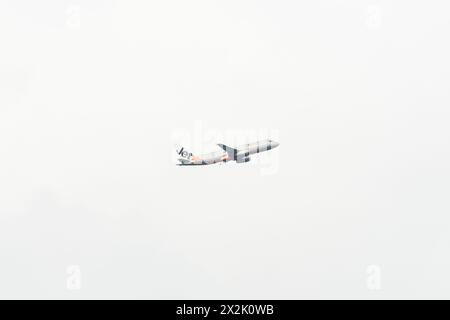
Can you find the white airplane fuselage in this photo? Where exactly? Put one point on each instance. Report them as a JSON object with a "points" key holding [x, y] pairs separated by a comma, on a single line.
{"points": [[239, 154]]}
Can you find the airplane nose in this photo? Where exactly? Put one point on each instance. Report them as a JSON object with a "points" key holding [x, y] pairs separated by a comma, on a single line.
{"points": [[275, 144]]}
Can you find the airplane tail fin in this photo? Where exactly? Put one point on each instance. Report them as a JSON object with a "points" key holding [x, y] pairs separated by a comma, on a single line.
{"points": [[183, 153], [185, 157], [232, 152]]}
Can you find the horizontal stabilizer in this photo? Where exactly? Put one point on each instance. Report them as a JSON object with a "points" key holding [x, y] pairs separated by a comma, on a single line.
{"points": [[184, 161]]}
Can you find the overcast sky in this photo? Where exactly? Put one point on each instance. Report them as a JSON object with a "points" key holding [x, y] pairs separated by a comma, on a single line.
{"points": [[94, 95]]}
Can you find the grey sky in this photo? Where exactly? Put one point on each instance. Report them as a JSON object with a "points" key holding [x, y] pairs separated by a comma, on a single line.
{"points": [[92, 94]]}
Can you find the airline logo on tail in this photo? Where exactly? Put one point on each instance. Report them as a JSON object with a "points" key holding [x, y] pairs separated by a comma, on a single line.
{"points": [[184, 153]]}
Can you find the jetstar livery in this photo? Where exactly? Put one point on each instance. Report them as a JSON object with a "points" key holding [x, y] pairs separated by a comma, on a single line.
{"points": [[239, 154]]}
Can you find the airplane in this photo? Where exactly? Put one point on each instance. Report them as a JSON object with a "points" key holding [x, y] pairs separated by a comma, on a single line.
{"points": [[240, 154]]}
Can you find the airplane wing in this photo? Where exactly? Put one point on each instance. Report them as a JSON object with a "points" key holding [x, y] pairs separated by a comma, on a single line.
{"points": [[232, 152]]}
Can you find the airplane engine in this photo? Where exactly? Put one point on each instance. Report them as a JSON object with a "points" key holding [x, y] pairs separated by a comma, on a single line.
{"points": [[243, 155], [242, 160]]}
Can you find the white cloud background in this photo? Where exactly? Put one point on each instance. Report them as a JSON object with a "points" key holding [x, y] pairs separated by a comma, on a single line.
{"points": [[91, 93]]}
